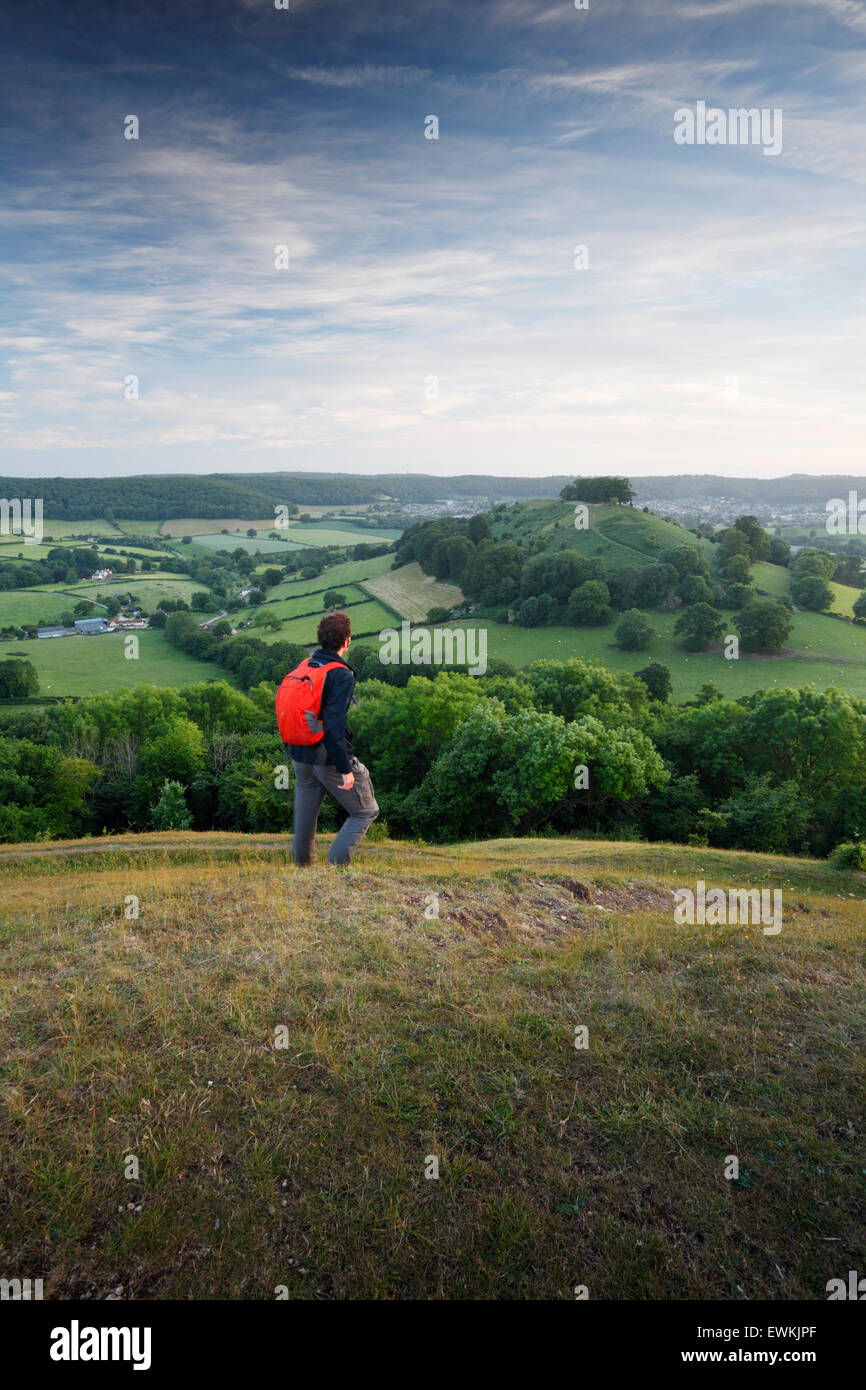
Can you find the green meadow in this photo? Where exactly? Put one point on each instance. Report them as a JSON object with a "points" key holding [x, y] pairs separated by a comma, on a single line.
{"points": [[303, 604], [345, 572], [151, 589], [93, 526], [771, 579], [342, 533], [41, 607], [368, 619], [825, 651], [141, 528], [267, 545], [93, 665]]}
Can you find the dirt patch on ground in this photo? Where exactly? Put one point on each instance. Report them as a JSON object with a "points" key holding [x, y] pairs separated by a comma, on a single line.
{"points": [[633, 897], [543, 909]]}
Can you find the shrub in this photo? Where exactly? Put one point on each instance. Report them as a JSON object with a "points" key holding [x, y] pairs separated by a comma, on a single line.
{"points": [[634, 631], [851, 855], [171, 812], [812, 591], [589, 603], [764, 626], [699, 627]]}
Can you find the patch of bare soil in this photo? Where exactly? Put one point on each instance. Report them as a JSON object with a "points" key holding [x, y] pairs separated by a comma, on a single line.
{"points": [[544, 909]]}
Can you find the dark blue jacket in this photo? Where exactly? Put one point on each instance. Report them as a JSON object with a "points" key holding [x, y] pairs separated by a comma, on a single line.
{"points": [[338, 692]]}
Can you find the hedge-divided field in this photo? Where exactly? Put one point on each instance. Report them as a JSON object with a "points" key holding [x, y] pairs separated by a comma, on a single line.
{"points": [[20, 606], [305, 604], [344, 572], [151, 589], [368, 619], [405, 593]]}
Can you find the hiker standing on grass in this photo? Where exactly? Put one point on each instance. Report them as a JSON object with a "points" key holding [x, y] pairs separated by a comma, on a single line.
{"points": [[312, 703]]}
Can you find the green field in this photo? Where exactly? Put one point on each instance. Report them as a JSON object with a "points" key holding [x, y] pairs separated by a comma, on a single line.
{"points": [[11, 548], [92, 526], [843, 662], [206, 542], [772, 579], [346, 572], [149, 588], [297, 538], [15, 552], [367, 618], [126, 546], [142, 528], [344, 533], [306, 603], [209, 526], [775, 579], [90, 665], [844, 598], [21, 606]]}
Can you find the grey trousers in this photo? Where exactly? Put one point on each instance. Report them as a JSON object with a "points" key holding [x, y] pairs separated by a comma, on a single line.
{"points": [[312, 780]]}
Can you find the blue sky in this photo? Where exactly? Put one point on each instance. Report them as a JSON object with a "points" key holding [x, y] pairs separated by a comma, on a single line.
{"points": [[719, 325]]}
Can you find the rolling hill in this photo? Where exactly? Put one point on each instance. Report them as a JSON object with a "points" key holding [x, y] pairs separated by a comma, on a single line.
{"points": [[620, 536]]}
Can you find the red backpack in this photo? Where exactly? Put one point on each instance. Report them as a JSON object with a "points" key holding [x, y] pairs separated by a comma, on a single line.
{"points": [[299, 702]]}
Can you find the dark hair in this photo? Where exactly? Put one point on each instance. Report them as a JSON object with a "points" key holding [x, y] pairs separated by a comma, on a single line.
{"points": [[333, 631]]}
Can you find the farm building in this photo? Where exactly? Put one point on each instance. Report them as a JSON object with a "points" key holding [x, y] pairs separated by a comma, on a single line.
{"points": [[90, 626], [52, 631]]}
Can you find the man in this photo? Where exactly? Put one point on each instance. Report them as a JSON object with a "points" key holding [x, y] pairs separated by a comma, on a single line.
{"points": [[329, 765]]}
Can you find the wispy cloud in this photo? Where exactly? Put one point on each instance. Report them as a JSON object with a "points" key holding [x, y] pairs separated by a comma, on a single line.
{"points": [[452, 258]]}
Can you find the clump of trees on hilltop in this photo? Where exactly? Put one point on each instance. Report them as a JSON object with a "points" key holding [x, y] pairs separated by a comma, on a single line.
{"points": [[598, 490]]}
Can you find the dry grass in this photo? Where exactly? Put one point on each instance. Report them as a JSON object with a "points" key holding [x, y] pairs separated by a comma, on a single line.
{"points": [[412, 593], [409, 1036]]}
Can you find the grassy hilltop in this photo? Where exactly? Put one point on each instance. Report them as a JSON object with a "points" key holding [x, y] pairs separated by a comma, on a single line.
{"points": [[408, 1036]]}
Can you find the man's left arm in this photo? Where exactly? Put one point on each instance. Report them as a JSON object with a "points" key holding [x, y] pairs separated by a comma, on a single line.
{"points": [[336, 698]]}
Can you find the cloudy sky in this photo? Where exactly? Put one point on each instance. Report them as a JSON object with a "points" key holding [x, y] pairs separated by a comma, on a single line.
{"points": [[431, 317]]}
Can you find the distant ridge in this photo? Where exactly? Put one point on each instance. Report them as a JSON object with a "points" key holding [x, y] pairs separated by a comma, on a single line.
{"points": [[158, 496]]}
